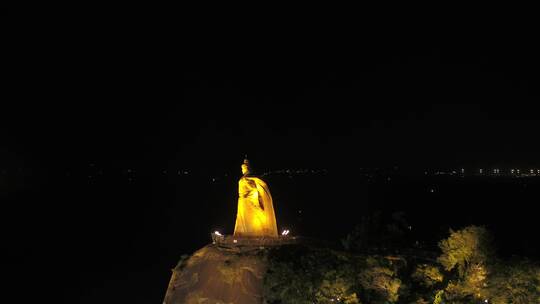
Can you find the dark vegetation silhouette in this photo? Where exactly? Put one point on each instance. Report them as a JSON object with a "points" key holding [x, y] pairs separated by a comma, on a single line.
{"points": [[380, 264]]}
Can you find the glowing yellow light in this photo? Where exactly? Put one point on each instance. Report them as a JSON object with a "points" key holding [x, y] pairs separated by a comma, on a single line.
{"points": [[255, 216]]}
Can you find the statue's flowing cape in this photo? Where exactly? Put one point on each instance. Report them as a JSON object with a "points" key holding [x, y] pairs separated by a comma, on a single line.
{"points": [[255, 216]]}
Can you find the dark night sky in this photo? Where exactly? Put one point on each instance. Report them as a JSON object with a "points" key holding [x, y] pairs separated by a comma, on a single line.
{"points": [[80, 97], [92, 89]]}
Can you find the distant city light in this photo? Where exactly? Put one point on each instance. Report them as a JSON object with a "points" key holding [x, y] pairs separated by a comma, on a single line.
{"points": [[217, 233], [285, 232]]}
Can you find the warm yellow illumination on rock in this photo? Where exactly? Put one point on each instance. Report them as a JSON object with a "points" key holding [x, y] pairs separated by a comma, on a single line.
{"points": [[255, 216]]}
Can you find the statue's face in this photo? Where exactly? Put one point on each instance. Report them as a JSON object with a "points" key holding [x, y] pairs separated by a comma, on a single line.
{"points": [[245, 169]]}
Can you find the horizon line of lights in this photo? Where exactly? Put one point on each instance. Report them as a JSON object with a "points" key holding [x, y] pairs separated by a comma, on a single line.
{"points": [[493, 170], [130, 173]]}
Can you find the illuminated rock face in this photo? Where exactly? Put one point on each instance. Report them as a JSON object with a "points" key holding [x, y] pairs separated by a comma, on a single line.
{"points": [[255, 216], [215, 275]]}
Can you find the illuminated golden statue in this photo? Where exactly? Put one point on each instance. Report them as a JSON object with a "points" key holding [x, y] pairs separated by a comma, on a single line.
{"points": [[255, 217]]}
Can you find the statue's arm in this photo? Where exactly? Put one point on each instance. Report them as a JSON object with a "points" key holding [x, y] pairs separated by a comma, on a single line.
{"points": [[245, 186]]}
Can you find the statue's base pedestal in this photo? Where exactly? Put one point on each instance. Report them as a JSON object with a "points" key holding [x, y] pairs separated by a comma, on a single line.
{"points": [[238, 241]]}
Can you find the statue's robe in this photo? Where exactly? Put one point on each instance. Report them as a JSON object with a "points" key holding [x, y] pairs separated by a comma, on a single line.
{"points": [[255, 216]]}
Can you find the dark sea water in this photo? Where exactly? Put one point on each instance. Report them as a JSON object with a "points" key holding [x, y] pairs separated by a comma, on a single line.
{"points": [[109, 239]]}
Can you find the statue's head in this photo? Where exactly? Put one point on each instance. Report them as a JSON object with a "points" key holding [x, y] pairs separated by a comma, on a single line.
{"points": [[245, 167]]}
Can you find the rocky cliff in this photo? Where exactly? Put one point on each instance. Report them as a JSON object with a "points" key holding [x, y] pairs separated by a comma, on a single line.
{"points": [[217, 274]]}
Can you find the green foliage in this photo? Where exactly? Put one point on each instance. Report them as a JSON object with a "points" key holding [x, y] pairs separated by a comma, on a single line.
{"points": [[517, 283], [438, 297], [471, 286], [380, 281], [468, 272], [468, 250], [421, 301], [469, 246], [374, 231], [335, 290], [363, 234], [299, 274], [427, 275]]}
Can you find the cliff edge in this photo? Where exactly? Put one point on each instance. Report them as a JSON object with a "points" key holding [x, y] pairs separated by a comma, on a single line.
{"points": [[217, 274]]}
